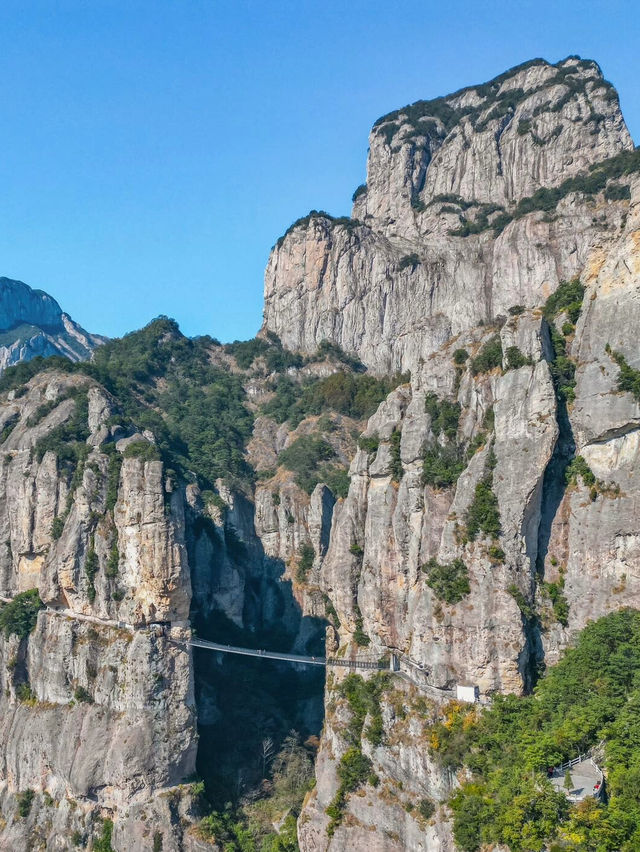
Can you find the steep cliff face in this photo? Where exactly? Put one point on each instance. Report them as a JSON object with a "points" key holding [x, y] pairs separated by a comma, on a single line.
{"points": [[33, 324], [98, 717], [489, 512], [492, 508], [392, 283]]}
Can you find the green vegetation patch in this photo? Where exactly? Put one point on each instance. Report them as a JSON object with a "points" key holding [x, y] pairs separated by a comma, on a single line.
{"points": [[69, 440], [443, 461], [305, 457], [445, 415], [356, 396], [396, 469], [164, 382], [20, 616], [409, 261], [592, 694], [489, 357], [103, 843], [567, 298], [628, 378], [360, 190], [306, 556], [143, 450], [483, 515], [276, 358], [578, 467], [25, 801], [304, 221], [450, 581], [355, 768], [515, 358]]}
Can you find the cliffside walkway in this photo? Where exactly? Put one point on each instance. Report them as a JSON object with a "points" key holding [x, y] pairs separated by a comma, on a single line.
{"points": [[418, 674]]}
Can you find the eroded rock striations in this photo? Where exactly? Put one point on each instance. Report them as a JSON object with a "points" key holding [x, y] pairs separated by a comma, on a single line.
{"points": [[392, 283], [476, 550], [489, 512], [98, 717]]}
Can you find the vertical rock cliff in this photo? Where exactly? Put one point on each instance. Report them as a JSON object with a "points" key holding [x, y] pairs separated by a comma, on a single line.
{"points": [[465, 518], [394, 282], [491, 511]]}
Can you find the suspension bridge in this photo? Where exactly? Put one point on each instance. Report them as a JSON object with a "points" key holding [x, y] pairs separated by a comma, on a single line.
{"points": [[397, 662]]}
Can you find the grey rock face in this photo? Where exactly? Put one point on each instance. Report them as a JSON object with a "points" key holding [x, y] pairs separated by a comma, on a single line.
{"points": [[32, 323], [401, 292], [90, 712], [392, 284]]}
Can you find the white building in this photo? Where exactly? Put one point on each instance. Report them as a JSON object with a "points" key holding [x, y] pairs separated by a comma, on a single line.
{"points": [[468, 692]]}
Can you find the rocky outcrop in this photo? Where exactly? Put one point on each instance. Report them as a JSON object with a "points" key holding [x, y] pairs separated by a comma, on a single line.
{"points": [[491, 510], [444, 252], [97, 705], [32, 324], [393, 284]]}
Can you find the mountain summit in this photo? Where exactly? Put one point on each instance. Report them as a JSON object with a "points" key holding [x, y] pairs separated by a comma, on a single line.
{"points": [[439, 238], [32, 323]]}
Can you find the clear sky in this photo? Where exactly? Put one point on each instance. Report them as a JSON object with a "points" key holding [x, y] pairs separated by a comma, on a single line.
{"points": [[154, 150]]}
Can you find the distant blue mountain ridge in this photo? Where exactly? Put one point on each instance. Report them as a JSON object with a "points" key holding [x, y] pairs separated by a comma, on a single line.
{"points": [[32, 323]]}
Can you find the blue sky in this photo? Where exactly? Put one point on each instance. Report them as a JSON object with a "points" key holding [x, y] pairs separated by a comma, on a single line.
{"points": [[154, 150]]}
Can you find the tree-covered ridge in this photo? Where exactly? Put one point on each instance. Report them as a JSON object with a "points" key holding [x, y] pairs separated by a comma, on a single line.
{"points": [[356, 396], [592, 694], [165, 382], [442, 114]]}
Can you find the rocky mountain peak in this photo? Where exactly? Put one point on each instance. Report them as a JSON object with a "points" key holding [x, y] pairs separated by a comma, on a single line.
{"points": [[494, 143], [32, 323], [475, 202]]}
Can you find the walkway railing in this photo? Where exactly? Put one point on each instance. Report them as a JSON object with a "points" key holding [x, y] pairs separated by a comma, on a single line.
{"points": [[417, 674]]}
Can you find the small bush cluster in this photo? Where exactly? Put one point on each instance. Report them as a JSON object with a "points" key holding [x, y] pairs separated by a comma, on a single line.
{"points": [[443, 461], [523, 605], [450, 581], [143, 450], [628, 378], [445, 415], [276, 358], [306, 556], [559, 603], [396, 469], [578, 467], [20, 616], [483, 515], [360, 190], [567, 298], [409, 261], [90, 569], [618, 192], [369, 443], [359, 636], [515, 358], [489, 357], [68, 441], [103, 843], [25, 801]]}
